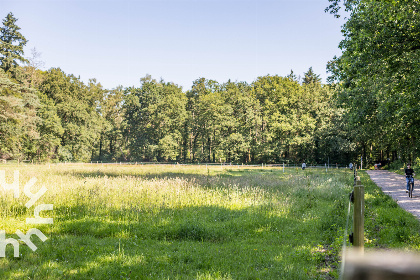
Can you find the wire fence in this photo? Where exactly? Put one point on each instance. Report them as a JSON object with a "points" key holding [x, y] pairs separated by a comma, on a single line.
{"points": [[224, 164]]}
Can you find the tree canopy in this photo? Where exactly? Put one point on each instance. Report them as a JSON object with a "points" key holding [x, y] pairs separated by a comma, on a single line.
{"points": [[378, 73], [11, 46]]}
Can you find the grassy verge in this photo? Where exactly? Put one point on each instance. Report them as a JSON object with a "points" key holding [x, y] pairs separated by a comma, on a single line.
{"points": [[386, 224], [181, 222]]}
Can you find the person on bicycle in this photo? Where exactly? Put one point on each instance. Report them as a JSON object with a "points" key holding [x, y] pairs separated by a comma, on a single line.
{"points": [[409, 173]]}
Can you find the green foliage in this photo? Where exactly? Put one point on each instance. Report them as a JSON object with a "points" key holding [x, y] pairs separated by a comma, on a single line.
{"points": [[273, 119], [300, 122], [310, 77], [155, 119], [378, 73], [222, 121], [75, 104], [50, 129], [396, 165], [18, 118], [111, 143], [334, 8], [11, 46], [64, 154]]}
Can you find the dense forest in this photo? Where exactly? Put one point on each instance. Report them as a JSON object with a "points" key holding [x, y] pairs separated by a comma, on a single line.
{"points": [[369, 107]]}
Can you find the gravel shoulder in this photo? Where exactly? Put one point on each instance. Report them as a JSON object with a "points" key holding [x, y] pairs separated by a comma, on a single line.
{"points": [[394, 185]]}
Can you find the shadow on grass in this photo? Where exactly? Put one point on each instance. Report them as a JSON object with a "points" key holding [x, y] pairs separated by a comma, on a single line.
{"points": [[186, 242], [204, 223]]}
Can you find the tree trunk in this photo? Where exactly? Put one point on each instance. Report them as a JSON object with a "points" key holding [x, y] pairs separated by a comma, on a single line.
{"points": [[209, 156], [100, 146]]}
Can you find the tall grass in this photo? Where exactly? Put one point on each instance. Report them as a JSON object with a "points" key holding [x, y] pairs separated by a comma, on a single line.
{"points": [[179, 222]]}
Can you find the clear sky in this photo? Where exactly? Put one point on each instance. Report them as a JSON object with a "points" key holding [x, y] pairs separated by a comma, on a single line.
{"points": [[118, 42]]}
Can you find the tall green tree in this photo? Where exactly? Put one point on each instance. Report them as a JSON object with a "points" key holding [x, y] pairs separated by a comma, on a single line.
{"points": [[11, 46], [50, 130], [280, 99], [205, 106], [241, 120], [18, 119], [111, 144], [155, 120], [76, 108], [378, 72], [310, 77]]}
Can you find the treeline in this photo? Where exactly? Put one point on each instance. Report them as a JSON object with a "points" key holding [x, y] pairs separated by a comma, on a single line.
{"points": [[55, 116], [271, 120]]}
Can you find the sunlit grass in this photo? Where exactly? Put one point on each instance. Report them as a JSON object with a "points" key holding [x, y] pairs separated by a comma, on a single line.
{"points": [[179, 222]]}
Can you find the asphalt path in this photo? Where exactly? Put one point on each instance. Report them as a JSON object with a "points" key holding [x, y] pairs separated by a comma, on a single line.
{"points": [[395, 186]]}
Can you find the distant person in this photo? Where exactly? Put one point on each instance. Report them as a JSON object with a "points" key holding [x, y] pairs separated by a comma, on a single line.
{"points": [[351, 166], [303, 166], [409, 176]]}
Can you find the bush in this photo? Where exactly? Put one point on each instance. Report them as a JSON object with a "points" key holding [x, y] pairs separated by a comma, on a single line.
{"points": [[395, 165]]}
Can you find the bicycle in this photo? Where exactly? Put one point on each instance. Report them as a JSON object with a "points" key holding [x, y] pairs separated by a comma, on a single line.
{"points": [[410, 186]]}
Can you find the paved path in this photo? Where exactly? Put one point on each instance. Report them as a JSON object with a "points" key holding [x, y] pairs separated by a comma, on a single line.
{"points": [[394, 185]]}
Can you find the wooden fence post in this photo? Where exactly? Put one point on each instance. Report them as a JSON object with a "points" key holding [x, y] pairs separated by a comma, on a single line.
{"points": [[355, 173], [358, 218]]}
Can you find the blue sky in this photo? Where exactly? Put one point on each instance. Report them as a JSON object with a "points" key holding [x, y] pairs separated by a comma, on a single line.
{"points": [[118, 42]]}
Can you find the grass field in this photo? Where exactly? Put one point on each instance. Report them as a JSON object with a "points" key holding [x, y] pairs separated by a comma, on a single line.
{"points": [[192, 222]]}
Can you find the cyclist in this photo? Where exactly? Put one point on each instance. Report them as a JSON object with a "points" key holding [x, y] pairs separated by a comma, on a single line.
{"points": [[409, 173]]}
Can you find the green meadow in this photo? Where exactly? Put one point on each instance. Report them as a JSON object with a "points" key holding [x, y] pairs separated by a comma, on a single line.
{"points": [[192, 222]]}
